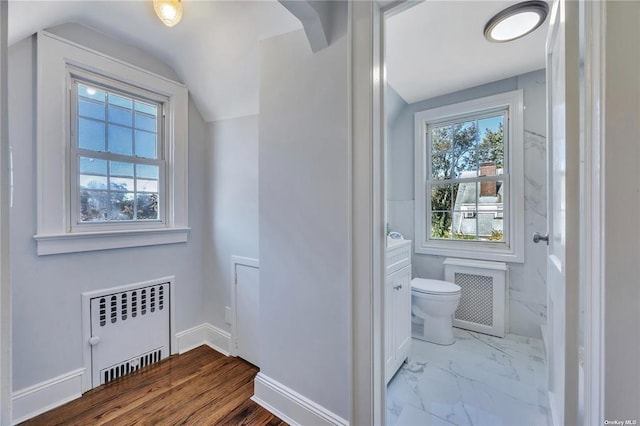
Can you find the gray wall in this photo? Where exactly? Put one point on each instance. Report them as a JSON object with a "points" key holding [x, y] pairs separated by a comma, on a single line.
{"points": [[46, 289], [304, 219], [232, 203], [527, 282], [621, 231]]}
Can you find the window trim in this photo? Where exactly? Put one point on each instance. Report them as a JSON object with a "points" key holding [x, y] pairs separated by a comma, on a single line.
{"points": [[513, 248], [57, 60], [75, 76]]}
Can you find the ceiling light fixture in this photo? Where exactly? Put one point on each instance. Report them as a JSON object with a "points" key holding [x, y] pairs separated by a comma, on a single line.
{"points": [[169, 11], [516, 21]]}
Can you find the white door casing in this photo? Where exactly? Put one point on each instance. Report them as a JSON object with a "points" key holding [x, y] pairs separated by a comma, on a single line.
{"points": [[563, 77]]}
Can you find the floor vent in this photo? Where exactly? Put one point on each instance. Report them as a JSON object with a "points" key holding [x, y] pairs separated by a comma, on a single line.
{"points": [[483, 304], [129, 329]]}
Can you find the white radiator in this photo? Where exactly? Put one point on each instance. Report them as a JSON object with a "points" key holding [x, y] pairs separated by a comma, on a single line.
{"points": [[129, 329], [483, 302]]}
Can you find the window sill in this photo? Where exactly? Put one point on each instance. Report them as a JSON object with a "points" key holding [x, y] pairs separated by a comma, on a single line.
{"points": [[462, 250], [92, 241]]}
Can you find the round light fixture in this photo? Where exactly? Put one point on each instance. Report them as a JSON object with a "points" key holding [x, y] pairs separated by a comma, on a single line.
{"points": [[169, 11], [516, 21]]}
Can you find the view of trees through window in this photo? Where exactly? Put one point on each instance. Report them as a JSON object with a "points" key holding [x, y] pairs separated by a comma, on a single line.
{"points": [[467, 179], [119, 169]]}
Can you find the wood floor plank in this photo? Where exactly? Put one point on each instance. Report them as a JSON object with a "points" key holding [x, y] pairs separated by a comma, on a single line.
{"points": [[200, 387]]}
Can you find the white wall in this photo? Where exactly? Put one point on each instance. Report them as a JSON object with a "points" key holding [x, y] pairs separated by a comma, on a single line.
{"points": [[232, 206], [527, 282], [304, 219], [622, 201], [46, 289]]}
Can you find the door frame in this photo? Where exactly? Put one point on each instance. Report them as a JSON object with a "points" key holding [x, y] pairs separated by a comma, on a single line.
{"points": [[592, 181], [235, 261], [367, 210]]}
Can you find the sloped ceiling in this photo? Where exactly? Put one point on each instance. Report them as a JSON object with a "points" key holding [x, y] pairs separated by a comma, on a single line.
{"points": [[213, 50], [438, 47]]}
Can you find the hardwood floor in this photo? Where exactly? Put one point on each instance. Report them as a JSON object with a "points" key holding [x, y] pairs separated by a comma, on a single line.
{"points": [[200, 387]]}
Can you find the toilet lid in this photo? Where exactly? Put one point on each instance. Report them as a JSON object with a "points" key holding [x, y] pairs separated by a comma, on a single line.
{"points": [[424, 285]]}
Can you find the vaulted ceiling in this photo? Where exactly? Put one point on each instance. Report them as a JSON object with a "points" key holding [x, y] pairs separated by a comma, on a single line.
{"points": [[434, 48], [214, 49]]}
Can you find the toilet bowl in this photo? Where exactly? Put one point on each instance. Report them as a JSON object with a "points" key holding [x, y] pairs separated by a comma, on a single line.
{"points": [[433, 302]]}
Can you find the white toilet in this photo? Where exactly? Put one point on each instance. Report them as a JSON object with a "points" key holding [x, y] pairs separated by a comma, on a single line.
{"points": [[433, 302]]}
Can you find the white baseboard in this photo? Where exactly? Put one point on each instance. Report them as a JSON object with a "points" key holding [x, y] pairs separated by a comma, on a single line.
{"points": [[204, 334], [290, 406], [41, 397]]}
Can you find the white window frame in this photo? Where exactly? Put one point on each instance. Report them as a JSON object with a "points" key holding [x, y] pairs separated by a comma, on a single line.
{"points": [[83, 77], [59, 61], [512, 250]]}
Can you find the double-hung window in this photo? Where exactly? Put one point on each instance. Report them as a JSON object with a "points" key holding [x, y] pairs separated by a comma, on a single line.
{"points": [[469, 179], [111, 152], [118, 166]]}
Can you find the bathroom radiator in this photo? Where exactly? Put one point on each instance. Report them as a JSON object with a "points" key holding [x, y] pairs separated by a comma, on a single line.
{"points": [[483, 301]]}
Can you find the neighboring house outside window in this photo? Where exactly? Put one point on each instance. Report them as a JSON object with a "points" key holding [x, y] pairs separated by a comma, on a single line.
{"points": [[469, 189], [118, 136]]}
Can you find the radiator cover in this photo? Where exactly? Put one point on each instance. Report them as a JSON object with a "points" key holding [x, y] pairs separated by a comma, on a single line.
{"points": [[129, 329], [483, 303]]}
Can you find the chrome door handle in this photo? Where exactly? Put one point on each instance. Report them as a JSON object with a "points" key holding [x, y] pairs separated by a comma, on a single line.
{"points": [[537, 238], [397, 287]]}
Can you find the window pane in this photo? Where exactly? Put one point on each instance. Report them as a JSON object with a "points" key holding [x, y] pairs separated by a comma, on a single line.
{"points": [[91, 109], [490, 225], [465, 196], [147, 206], [490, 193], [91, 134], [465, 211], [120, 140], [490, 211], [441, 139], [121, 206], [441, 166], [146, 144], [145, 185], [93, 166], [465, 164], [121, 184], [465, 223], [120, 116], [491, 147], [441, 225], [118, 168], [465, 137], [120, 101], [146, 108], [93, 182], [91, 92], [93, 205], [147, 171], [145, 122], [441, 197]]}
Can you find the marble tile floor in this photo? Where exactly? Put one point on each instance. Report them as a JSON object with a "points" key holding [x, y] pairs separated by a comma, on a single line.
{"points": [[479, 380]]}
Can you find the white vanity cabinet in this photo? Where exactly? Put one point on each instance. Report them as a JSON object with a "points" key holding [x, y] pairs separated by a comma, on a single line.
{"points": [[397, 305]]}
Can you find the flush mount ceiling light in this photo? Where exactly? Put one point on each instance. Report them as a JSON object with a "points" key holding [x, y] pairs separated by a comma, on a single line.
{"points": [[169, 11], [516, 21]]}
